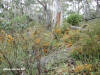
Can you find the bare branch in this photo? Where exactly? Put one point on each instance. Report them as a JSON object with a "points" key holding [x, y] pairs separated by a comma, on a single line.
{"points": [[41, 3]]}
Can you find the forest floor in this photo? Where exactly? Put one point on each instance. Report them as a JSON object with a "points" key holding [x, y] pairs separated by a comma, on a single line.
{"points": [[58, 62]]}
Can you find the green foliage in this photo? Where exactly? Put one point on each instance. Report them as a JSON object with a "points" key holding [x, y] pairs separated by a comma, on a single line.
{"points": [[87, 49], [89, 43], [18, 47], [19, 19], [65, 26], [5, 26], [17, 24], [74, 19]]}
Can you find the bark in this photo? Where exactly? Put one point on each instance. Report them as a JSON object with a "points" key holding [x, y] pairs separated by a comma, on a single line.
{"points": [[57, 13], [58, 18]]}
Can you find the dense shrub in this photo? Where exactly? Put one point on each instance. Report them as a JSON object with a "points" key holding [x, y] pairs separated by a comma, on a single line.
{"points": [[65, 26], [87, 49], [17, 24], [74, 19], [89, 43], [33, 43]]}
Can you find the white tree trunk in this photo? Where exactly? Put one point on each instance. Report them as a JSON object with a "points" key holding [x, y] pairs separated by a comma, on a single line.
{"points": [[57, 16]]}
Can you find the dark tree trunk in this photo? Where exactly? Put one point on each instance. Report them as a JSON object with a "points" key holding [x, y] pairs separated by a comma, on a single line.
{"points": [[47, 14]]}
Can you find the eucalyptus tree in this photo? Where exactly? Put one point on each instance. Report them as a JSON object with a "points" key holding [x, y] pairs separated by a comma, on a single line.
{"points": [[57, 16]]}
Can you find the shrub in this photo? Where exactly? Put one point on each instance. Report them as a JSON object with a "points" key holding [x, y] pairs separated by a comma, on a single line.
{"points": [[87, 49], [74, 19], [89, 43], [20, 23]]}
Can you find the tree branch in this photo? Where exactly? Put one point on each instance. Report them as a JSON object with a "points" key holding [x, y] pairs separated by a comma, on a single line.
{"points": [[41, 3]]}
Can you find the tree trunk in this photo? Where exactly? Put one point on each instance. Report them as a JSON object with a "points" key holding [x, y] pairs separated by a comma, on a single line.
{"points": [[58, 18], [98, 9], [57, 13], [47, 18], [78, 11], [47, 14], [86, 10]]}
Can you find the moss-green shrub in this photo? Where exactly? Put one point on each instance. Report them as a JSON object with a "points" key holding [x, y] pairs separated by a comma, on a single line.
{"points": [[74, 19]]}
